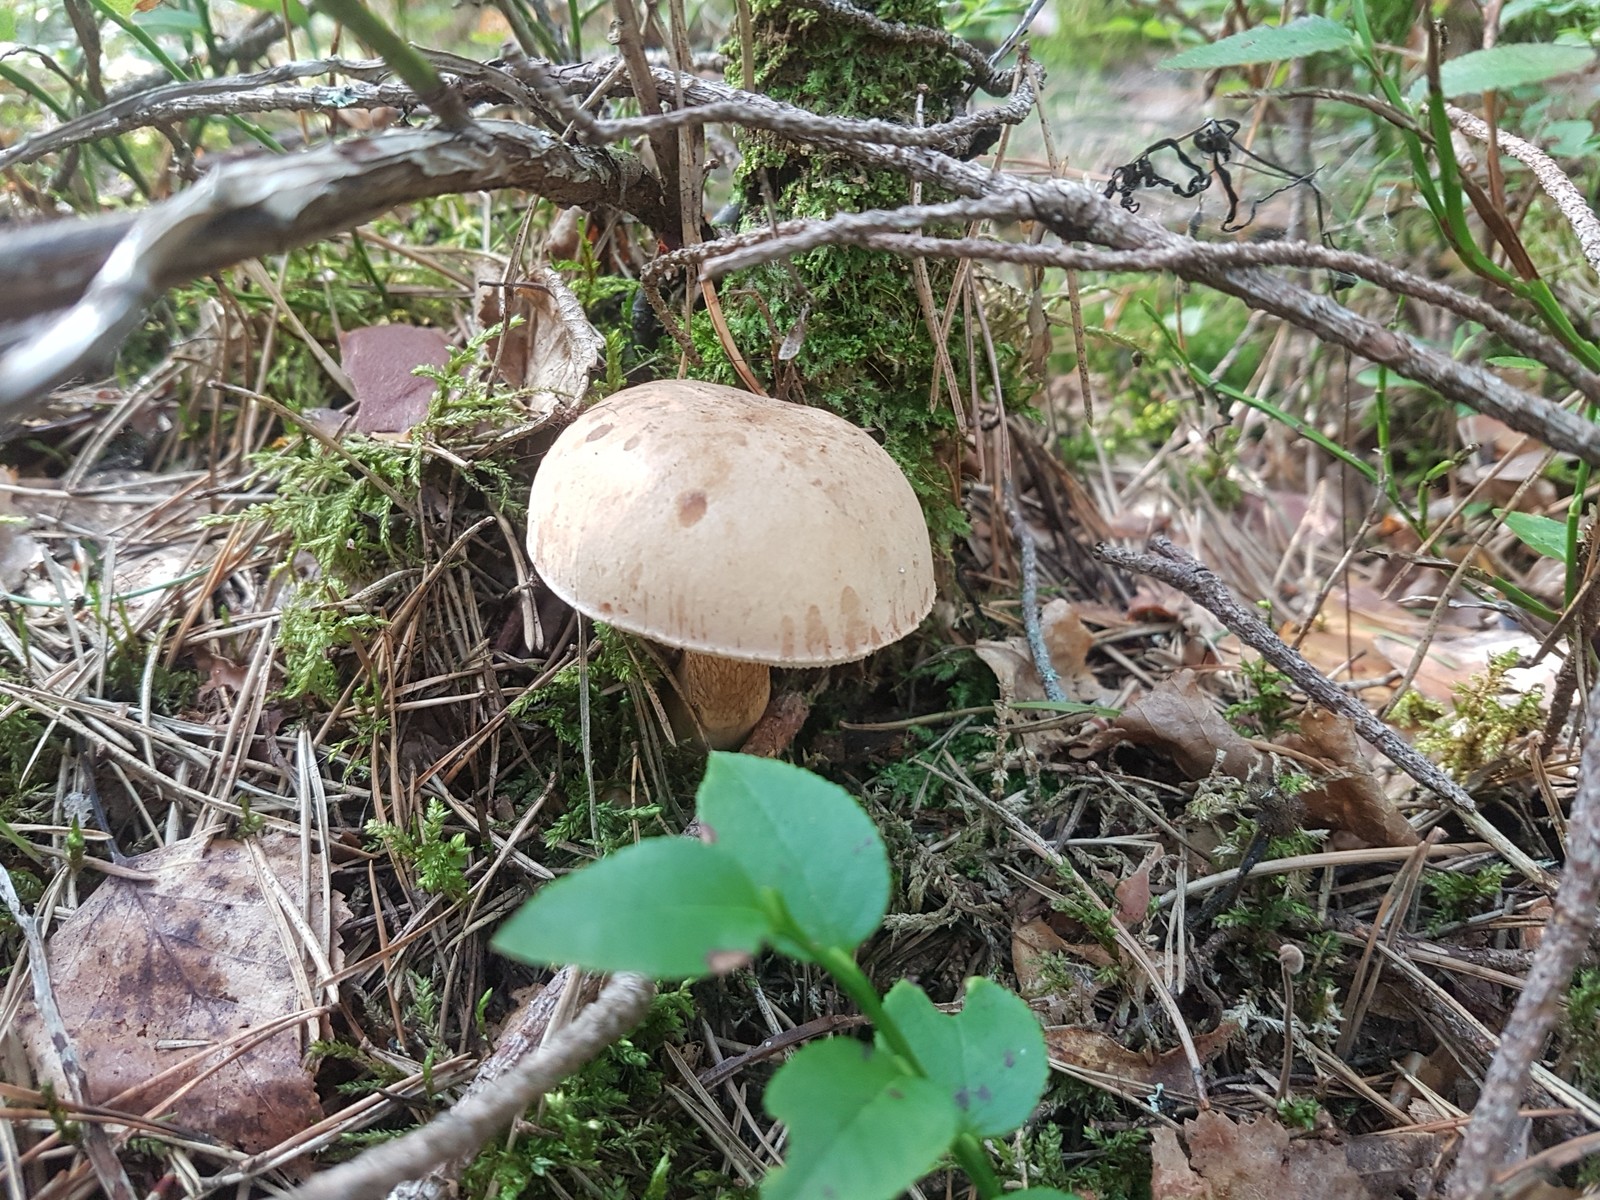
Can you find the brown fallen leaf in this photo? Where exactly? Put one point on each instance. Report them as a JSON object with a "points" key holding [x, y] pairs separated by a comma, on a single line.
{"points": [[1251, 1159], [1350, 797], [1091, 1050], [148, 974], [1179, 719], [1133, 896]]}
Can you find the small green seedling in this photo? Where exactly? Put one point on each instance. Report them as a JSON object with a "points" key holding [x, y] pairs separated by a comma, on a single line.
{"points": [[796, 864]]}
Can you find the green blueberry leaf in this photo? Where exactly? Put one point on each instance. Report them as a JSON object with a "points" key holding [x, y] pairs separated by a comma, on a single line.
{"points": [[1545, 535], [1264, 43], [859, 1125], [805, 838], [670, 908], [989, 1058], [1509, 66]]}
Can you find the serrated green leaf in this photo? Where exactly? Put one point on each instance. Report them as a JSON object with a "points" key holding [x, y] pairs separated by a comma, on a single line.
{"points": [[859, 1125], [670, 908], [1545, 535], [807, 839], [989, 1058], [1510, 66], [1265, 43]]}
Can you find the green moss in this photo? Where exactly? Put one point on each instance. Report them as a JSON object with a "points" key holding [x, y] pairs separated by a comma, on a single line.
{"points": [[864, 350], [1484, 722], [610, 1127]]}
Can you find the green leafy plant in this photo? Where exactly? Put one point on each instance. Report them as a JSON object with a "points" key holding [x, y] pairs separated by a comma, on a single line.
{"points": [[1457, 895], [441, 862], [797, 865]]}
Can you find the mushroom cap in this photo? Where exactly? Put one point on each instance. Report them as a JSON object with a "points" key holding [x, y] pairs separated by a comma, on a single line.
{"points": [[718, 521]]}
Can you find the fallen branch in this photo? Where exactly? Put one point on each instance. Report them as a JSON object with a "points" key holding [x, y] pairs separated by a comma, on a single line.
{"points": [[1172, 566], [243, 211], [479, 1116], [1566, 935]]}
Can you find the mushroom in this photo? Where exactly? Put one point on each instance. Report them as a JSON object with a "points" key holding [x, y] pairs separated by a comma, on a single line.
{"points": [[748, 532]]}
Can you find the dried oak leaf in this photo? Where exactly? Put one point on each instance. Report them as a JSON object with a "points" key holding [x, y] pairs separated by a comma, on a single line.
{"points": [[1349, 797], [379, 360], [1251, 1159], [148, 974], [554, 352], [1183, 721], [1091, 1050]]}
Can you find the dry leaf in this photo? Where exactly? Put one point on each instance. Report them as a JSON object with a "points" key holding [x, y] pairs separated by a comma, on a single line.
{"points": [[1133, 896], [1176, 717], [1091, 1050], [149, 974], [1179, 719], [555, 352], [1257, 1158], [1171, 1176], [379, 360], [1350, 798]]}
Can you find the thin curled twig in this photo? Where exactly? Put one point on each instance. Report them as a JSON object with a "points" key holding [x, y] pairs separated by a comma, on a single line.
{"points": [[1550, 176], [1566, 934], [476, 1118], [1031, 624], [871, 230], [1168, 563]]}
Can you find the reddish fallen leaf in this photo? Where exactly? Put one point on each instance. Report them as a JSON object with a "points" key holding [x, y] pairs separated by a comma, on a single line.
{"points": [[148, 974], [379, 360]]}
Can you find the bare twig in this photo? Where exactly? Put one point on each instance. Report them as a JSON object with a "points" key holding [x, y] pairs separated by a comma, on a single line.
{"points": [[1172, 566], [992, 80], [1031, 625], [1550, 176], [241, 211], [474, 1119], [873, 230], [1566, 934]]}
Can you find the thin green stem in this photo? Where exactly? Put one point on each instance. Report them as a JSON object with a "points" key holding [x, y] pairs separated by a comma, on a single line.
{"points": [[974, 1160]]}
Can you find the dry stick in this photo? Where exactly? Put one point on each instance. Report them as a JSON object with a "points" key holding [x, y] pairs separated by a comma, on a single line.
{"points": [[1566, 934], [1550, 176], [1171, 565], [96, 1141], [1030, 596], [477, 1117]]}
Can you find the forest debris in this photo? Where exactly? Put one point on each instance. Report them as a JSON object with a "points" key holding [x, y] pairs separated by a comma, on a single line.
{"points": [[1179, 719], [1133, 896], [1247, 1159], [148, 975], [1350, 798], [1069, 643], [380, 360], [1090, 1050], [554, 352]]}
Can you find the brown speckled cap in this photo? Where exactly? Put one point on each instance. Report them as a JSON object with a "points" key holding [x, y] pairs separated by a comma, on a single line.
{"points": [[714, 520]]}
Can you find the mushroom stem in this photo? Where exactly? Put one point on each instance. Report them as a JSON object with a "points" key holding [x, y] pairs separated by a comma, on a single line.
{"points": [[725, 695]]}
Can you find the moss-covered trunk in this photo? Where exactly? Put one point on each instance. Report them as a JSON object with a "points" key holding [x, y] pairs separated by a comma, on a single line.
{"points": [[841, 327]]}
